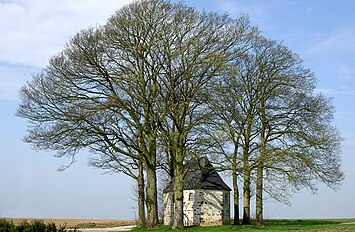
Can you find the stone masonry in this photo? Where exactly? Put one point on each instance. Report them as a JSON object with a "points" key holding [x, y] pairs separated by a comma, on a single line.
{"points": [[201, 207]]}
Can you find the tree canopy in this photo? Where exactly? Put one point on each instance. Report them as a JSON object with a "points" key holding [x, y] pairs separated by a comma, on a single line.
{"points": [[161, 80]]}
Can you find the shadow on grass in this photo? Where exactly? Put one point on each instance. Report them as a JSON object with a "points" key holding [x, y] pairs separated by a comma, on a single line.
{"points": [[305, 222]]}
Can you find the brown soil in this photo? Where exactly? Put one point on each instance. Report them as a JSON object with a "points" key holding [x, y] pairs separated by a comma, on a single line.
{"points": [[77, 223], [348, 223]]}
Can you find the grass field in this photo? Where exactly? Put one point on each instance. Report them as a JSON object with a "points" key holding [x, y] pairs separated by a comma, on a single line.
{"points": [[76, 223], [327, 225]]}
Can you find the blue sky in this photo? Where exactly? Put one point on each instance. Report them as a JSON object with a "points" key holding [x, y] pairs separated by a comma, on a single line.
{"points": [[321, 32]]}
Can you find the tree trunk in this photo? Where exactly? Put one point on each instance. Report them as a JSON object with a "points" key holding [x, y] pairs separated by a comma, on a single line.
{"points": [[178, 194], [141, 197], [259, 193], [151, 199], [235, 186], [236, 199], [170, 164], [260, 170], [247, 173], [246, 194]]}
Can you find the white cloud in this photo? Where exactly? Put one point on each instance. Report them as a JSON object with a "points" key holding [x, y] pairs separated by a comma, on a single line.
{"points": [[342, 41], [258, 11], [32, 31], [344, 91]]}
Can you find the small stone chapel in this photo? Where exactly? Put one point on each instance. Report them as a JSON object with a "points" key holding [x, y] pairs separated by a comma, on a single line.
{"points": [[206, 197]]}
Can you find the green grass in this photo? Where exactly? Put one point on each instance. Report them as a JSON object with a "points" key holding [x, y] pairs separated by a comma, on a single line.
{"points": [[275, 225]]}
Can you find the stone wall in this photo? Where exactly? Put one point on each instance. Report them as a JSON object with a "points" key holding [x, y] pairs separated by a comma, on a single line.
{"points": [[201, 207]]}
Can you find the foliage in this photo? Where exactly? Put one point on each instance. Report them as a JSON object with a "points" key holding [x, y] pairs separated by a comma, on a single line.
{"points": [[275, 225], [272, 127], [156, 77], [35, 226]]}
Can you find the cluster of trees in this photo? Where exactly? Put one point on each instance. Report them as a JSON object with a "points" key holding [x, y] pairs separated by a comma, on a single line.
{"points": [[161, 82]]}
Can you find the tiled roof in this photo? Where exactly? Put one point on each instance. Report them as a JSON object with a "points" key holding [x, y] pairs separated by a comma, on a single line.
{"points": [[201, 175]]}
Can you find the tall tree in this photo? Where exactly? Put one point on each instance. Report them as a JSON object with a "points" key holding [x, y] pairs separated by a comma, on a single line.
{"points": [[234, 104], [143, 83], [228, 103], [260, 103], [225, 131], [100, 93], [278, 93], [285, 89], [75, 104], [116, 89], [197, 48]]}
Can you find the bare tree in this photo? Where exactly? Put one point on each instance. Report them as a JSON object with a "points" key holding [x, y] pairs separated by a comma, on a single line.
{"points": [[155, 74], [233, 130], [100, 92], [118, 88], [284, 92], [271, 127], [197, 48], [286, 100]]}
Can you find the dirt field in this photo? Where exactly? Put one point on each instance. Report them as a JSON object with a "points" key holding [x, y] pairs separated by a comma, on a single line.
{"points": [[78, 223]]}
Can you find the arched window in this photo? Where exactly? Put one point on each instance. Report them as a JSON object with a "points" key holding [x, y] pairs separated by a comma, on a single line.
{"points": [[191, 197]]}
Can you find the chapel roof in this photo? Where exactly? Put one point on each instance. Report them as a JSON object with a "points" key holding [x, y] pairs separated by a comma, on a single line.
{"points": [[200, 175]]}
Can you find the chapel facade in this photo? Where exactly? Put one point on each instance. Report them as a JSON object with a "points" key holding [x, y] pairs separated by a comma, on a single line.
{"points": [[206, 197]]}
